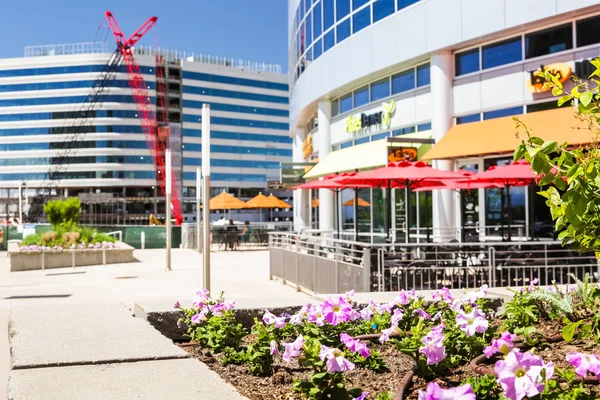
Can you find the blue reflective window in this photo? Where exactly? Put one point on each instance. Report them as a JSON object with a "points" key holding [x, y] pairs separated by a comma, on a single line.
{"points": [[88, 144], [342, 9], [383, 8], [318, 49], [356, 4], [403, 81], [66, 100], [215, 148], [346, 103], [237, 122], [18, 87], [405, 3], [361, 19], [236, 108], [346, 145], [423, 75], [253, 137], [361, 96], [380, 90], [502, 53], [81, 175], [467, 62], [380, 136], [362, 140], [234, 94], [465, 119], [505, 112], [79, 69], [335, 107], [197, 162], [328, 14], [309, 53], [329, 40], [61, 130], [302, 9], [77, 160], [67, 115], [308, 29], [424, 127], [403, 131], [549, 41], [343, 30], [199, 76], [317, 21], [218, 177]]}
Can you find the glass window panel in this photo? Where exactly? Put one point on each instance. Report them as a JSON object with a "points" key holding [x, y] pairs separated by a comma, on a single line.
{"points": [[346, 103], [342, 9], [424, 127], [233, 80], [505, 112], [380, 90], [467, 62], [383, 8], [362, 140], [343, 30], [423, 75], [403, 81], [361, 96], [405, 3], [465, 119], [502, 53], [403, 131], [317, 22], [308, 29], [335, 105], [328, 14], [302, 9], [329, 40], [303, 38], [356, 4], [317, 49], [380, 136], [361, 19], [549, 105], [309, 53], [549, 41], [588, 32], [346, 145]]}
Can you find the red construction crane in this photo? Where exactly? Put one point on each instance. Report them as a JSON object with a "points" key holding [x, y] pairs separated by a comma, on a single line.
{"points": [[156, 138]]}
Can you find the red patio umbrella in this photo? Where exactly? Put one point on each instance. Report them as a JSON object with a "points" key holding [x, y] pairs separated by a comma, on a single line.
{"points": [[403, 174], [463, 182], [518, 173]]}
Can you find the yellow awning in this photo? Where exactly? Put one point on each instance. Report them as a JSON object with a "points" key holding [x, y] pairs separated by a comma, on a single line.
{"points": [[365, 156], [498, 136]]}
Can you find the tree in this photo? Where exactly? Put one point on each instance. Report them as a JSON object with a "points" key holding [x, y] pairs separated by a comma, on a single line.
{"points": [[571, 174], [63, 213]]}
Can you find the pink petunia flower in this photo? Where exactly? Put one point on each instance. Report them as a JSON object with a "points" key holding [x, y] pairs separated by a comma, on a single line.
{"points": [[433, 343], [274, 348], [200, 317], [335, 360], [584, 363], [503, 345], [270, 319], [355, 345], [435, 392], [177, 305], [422, 313], [293, 349], [363, 396], [397, 316], [443, 295], [336, 310], [405, 297], [522, 374], [473, 322]]}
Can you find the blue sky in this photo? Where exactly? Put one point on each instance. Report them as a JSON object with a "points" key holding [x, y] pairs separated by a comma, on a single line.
{"points": [[249, 29]]}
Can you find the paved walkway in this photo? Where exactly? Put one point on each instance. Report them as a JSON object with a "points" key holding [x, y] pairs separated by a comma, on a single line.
{"points": [[73, 335]]}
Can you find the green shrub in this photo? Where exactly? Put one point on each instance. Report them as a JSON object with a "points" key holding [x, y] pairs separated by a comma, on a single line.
{"points": [[32, 239], [64, 213]]}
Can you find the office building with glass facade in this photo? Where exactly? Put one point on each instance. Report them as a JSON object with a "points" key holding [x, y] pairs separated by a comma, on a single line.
{"points": [[374, 81], [109, 165]]}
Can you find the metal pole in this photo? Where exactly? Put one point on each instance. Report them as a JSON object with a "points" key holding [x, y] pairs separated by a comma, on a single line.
{"points": [[73, 255], [168, 206], [143, 240], [356, 217], [104, 256], [206, 189], [20, 203], [43, 259], [198, 204]]}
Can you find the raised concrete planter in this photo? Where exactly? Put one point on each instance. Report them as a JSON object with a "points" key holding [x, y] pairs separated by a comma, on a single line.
{"points": [[32, 260]]}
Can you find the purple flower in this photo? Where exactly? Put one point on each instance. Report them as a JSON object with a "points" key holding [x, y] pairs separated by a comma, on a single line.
{"points": [[385, 333], [502, 345], [177, 305], [531, 287], [355, 345], [293, 349], [218, 309], [421, 313], [201, 316], [433, 343], [397, 316], [315, 315], [475, 321], [274, 348], [363, 396], [348, 296], [203, 294], [522, 374], [443, 295], [335, 360], [435, 392], [404, 297], [475, 295], [367, 313], [336, 310], [271, 319], [385, 307], [584, 363]]}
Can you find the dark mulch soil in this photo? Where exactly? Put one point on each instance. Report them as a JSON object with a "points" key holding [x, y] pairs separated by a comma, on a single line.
{"points": [[279, 385]]}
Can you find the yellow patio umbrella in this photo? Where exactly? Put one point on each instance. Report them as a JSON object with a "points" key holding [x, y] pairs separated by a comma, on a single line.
{"points": [[361, 203], [315, 202], [261, 201]]}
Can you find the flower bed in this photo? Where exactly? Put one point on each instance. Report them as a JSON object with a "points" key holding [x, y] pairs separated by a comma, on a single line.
{"points": [[341, 350]]}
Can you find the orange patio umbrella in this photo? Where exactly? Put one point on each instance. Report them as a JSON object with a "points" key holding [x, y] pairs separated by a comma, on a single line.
{"points": [[278, 203], [225, 201], [361, 203], [261, 201], [315, 203]]}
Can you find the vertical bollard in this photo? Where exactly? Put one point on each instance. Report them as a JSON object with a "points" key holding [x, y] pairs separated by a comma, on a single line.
{"points": [[43, 261], [143, 240], [104, 255], [73, 255]]}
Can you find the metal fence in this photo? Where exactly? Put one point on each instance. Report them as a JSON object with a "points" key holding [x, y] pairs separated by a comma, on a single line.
{"points": [[327, 265]]}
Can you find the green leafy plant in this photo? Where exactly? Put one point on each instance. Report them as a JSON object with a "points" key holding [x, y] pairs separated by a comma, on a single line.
{"points": [[63, 213], [570, 390], [258, 354], [485, 387], [233, 356], [521, 311]]}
